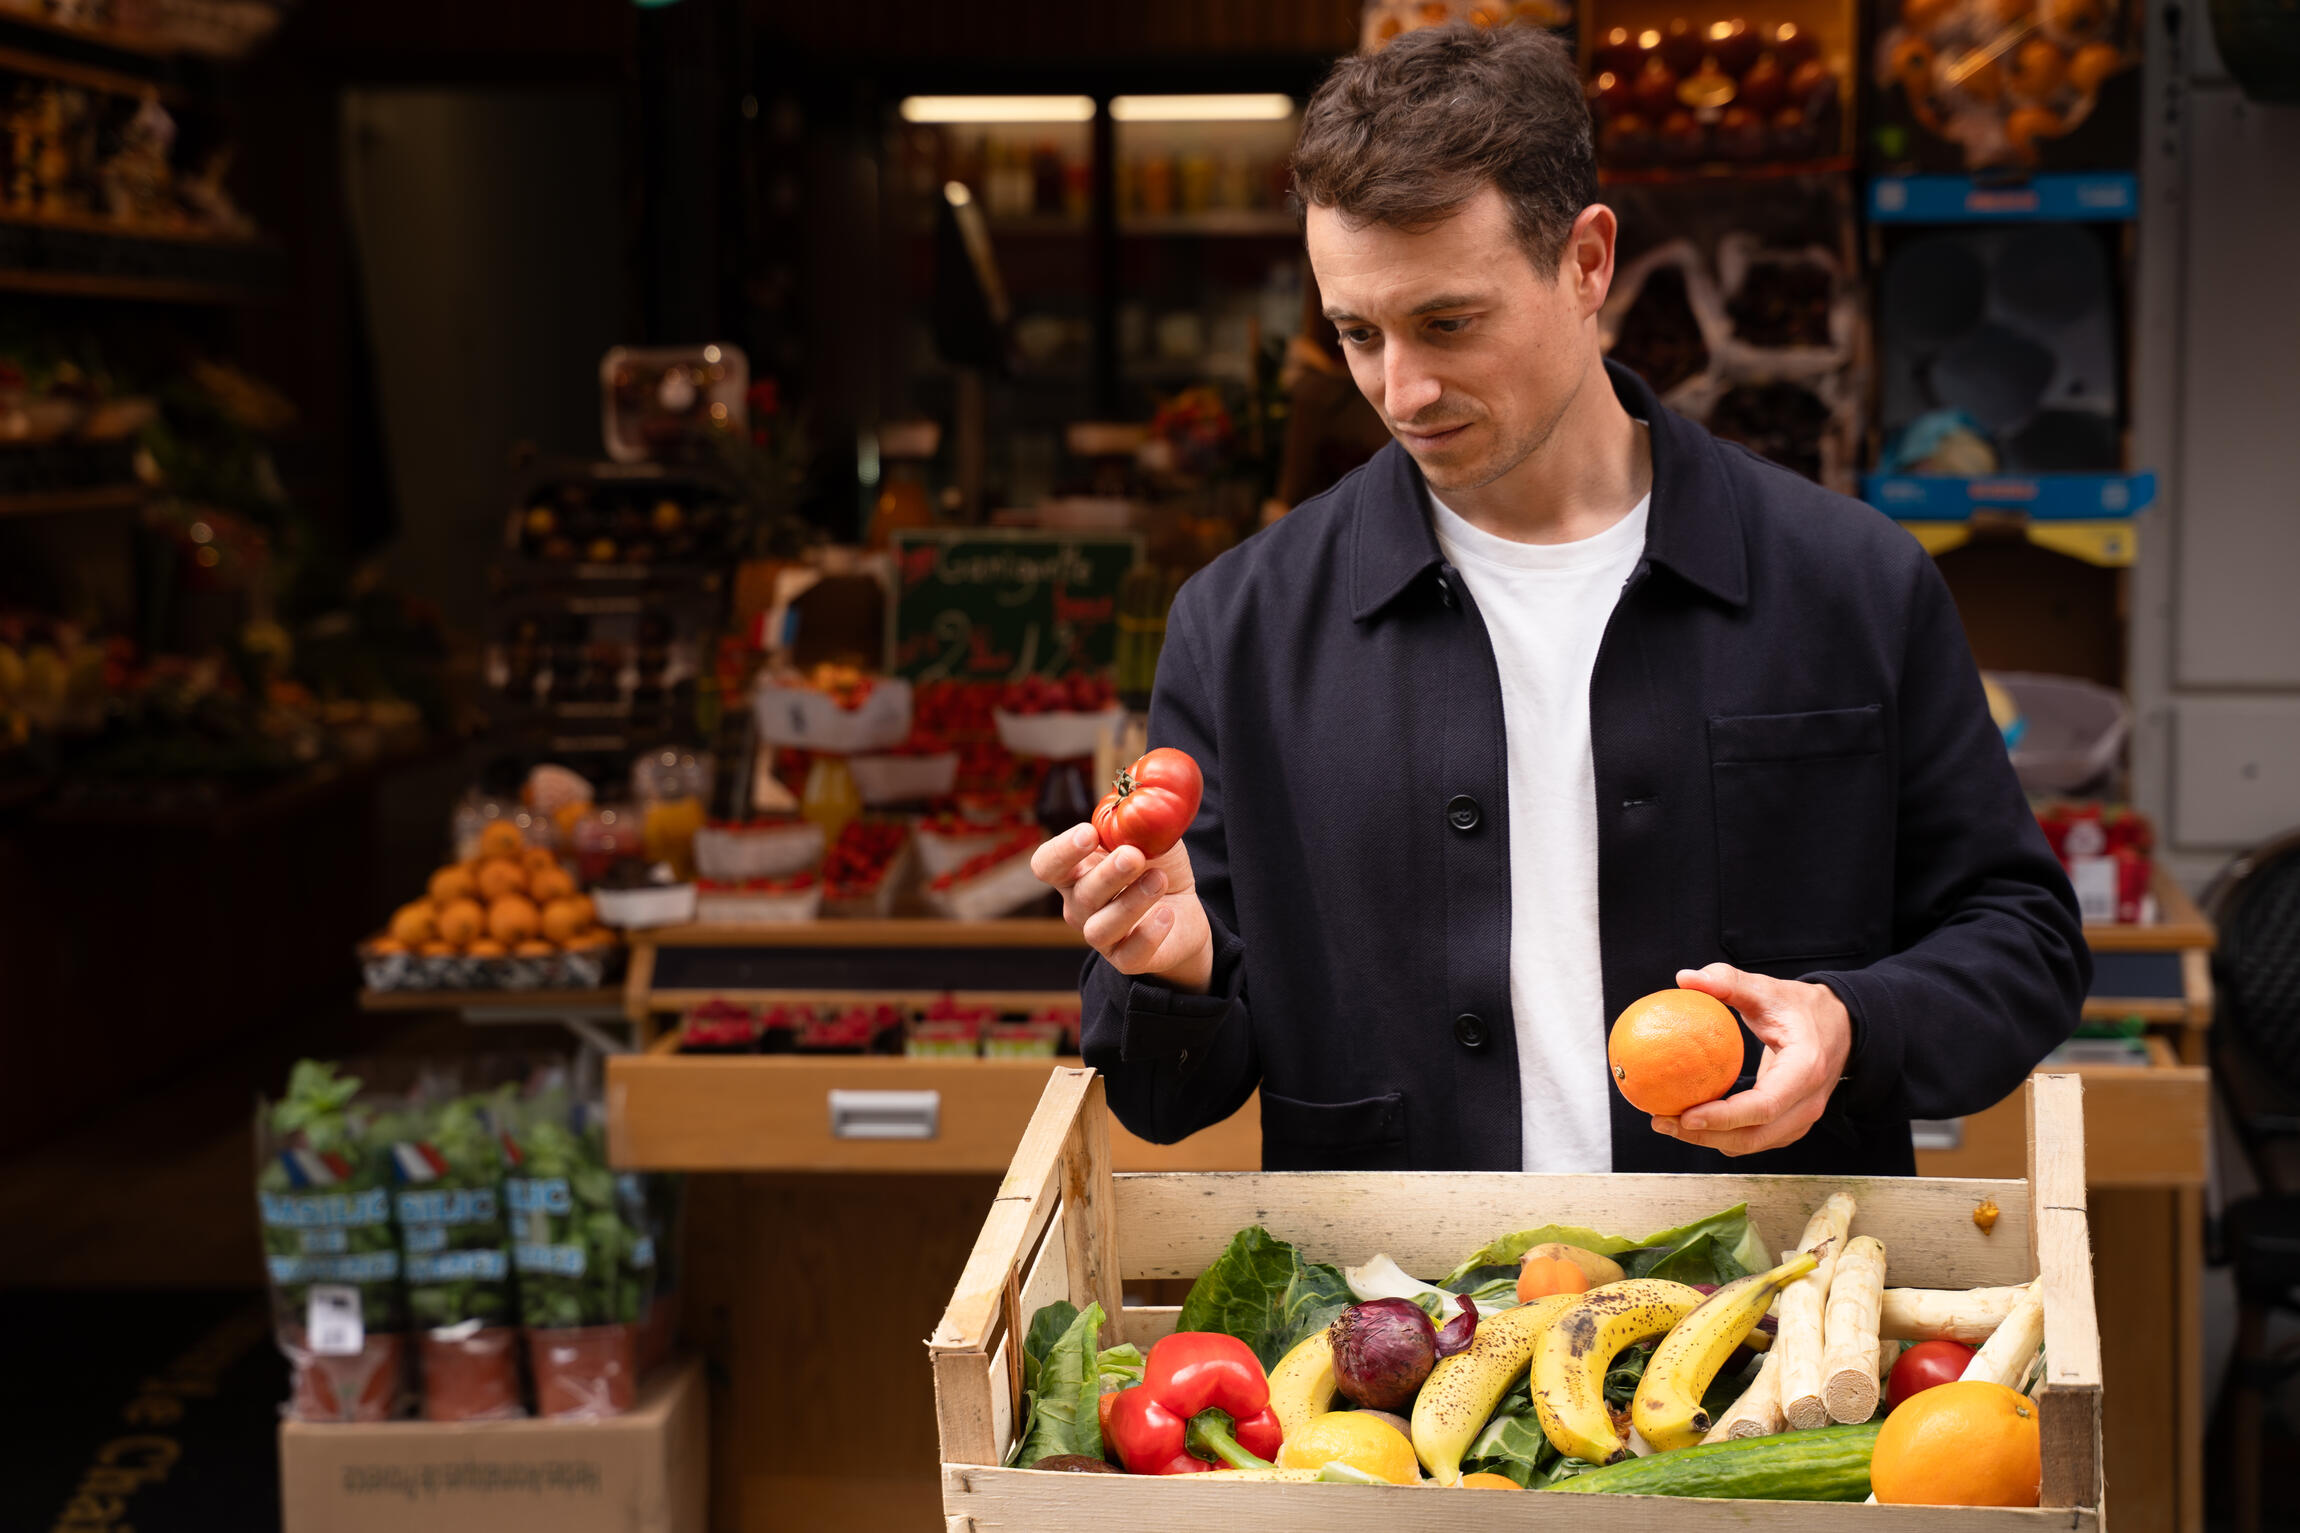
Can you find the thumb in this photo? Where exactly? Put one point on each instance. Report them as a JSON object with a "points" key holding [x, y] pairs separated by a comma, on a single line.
{"points": [[1751, 995]]}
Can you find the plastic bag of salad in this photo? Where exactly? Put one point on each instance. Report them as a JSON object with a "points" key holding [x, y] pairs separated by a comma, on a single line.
{"points": [[449, 1164], [580, 1243], [323, 1190]]}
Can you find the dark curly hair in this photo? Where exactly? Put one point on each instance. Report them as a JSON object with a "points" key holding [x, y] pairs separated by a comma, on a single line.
{"points": [[1407, 135]]}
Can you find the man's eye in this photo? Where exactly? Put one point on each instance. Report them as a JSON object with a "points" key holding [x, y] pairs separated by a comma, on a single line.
{"points": [[1358, 336], [1449, 326]]}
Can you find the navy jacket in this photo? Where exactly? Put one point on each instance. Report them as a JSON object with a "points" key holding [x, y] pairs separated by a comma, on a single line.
{"points": [[1796, 774]]}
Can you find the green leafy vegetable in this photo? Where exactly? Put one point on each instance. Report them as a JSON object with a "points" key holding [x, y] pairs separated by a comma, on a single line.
{"points": [[1700, 1260], [324, 1194], [1621, 1379], [1512, 1443], [578, 1230], [1120, 1366], [1733, 1238], [1261, 1291], [1066, 1387], [451, 1225]]}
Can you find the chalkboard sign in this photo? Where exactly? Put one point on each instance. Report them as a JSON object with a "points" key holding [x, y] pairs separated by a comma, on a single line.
{"points": [[986, 605]]}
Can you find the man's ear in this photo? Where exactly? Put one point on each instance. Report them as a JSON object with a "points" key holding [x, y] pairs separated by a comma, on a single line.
{"points": [[1588, 258]]}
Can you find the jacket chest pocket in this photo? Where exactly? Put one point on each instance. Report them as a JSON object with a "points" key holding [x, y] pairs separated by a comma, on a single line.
{"points": [[1804, 806]]}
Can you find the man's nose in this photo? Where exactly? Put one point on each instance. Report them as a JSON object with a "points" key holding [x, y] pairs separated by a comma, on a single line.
{"points": [[1408, 387]]}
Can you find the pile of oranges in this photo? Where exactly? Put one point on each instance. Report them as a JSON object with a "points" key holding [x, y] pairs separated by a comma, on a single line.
{"points": [[513, 900]]}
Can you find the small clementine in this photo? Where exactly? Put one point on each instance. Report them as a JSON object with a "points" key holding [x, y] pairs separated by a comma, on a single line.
{"points": [[1543, 1276], [513, 919], [1971, 1443], [499, 876], [1674, 1049], [501, 838], [1486, 1479], [452, 883]]}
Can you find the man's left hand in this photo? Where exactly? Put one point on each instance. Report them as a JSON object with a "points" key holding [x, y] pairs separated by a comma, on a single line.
{"points": [[1807, 1037]]}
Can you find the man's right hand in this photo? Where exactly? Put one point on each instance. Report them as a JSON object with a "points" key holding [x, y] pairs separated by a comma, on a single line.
{"points": [[1141, 914]]}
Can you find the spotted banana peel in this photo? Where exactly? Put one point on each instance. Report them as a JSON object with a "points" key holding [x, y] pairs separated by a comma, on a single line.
{"points": [[1579, 1345], [1666, 1409], [1462, 1390]]}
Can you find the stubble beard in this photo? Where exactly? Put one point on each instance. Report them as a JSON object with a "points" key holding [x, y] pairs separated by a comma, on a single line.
{"points": [[1506, 457]]}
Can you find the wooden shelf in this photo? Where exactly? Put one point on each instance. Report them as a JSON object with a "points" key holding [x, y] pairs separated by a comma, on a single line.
{"points": [[896, 932], [607, 1000], [771, 1112], [102, 497], [25, 61], [2144, 1126], [2178, 924], [70, 284], [1214, 223], [90, 223]]}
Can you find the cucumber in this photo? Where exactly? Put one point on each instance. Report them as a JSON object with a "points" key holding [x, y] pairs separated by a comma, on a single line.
{"points": [[1825, 1464]]}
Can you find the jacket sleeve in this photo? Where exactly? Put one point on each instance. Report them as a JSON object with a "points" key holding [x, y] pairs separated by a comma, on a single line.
{"points": [[1990, 965], [1175, 1063]]}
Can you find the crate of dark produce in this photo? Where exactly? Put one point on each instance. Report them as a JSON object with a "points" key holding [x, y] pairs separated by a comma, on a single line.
{"points": [[323, 1190], [2002, 87], [1353, 1341]]}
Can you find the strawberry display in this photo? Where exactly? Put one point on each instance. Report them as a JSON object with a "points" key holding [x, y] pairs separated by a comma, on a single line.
{"points": [[1017, 844], [857, 862]]}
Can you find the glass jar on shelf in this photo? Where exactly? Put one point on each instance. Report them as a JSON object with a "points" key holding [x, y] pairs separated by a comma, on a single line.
{"points": [[671, 787]]}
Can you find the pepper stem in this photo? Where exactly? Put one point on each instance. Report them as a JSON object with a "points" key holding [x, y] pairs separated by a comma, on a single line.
{"points": [[1209, 1437]]}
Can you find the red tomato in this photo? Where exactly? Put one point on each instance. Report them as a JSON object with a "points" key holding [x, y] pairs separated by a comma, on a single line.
{"points": [[1153, 802], [1924, 1365]]}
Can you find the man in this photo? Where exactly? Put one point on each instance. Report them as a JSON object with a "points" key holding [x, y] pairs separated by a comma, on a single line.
{"points": [[1556, 702]]}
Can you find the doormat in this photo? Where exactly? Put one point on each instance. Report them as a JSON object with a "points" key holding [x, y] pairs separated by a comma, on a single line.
{"points": [[155, 1412]]}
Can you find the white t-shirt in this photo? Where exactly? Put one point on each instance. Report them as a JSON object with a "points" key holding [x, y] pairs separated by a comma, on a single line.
{"points": [[1546, 606]]}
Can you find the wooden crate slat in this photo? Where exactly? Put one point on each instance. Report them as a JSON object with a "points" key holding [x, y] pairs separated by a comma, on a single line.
{"points": [[1048, 1277], [1019, 1499], [1173, 1225], [2068, 1402], [1025, 1202], [966, 1407], [1144, 1324], [1091, 1244]]}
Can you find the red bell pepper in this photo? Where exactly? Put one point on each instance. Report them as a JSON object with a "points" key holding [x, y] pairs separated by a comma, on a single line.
{"points": [[1203, 1397]]}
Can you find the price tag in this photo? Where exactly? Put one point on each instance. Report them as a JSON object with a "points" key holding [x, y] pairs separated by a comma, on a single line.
{"points": [[2095, 881], [332, 1323]]}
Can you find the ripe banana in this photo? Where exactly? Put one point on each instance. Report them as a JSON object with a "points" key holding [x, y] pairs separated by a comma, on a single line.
{"points": [[1667, 1406], [1302, 1385], [1578, 1347], [1463, 1389]]}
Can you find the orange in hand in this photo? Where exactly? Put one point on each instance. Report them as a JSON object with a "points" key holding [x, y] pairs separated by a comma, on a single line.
{"points": [[1971, 1443], [1542, 1276], [1673, 1050]]}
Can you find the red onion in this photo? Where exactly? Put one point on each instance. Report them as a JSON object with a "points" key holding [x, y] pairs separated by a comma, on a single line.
{"points": [[1458, 1331], [1383, 1349]]}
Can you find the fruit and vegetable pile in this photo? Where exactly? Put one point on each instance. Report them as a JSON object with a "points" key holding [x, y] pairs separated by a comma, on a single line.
{"points": [[1682, 1363], [944, 1028], [510, 917], [421, 1245]]}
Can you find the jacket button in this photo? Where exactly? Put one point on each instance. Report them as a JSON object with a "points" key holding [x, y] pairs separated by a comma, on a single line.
{"points": [[1469, 1031], [1461, 812]]}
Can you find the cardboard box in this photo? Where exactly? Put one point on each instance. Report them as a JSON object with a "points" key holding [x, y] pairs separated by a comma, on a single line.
{"points": [[645, 1472]]}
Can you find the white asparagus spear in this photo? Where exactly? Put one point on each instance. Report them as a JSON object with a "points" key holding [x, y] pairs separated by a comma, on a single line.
{"points": [[1797, 1337], [2005, 1356], [1849, 1332], [1969, 1315], [1758, 1412]]}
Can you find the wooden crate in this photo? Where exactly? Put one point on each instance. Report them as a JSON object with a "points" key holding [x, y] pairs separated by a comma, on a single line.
{"points": [[1065, 1227]]}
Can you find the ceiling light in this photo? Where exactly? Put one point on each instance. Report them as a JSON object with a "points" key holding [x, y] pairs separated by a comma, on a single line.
{"points": [[997, 109], [1274, 106]]}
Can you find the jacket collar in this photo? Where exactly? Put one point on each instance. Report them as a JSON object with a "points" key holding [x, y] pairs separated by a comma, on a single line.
{"points": [[1693, 528]]}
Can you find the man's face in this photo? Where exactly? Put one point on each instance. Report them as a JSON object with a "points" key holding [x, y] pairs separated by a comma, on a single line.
{"points": [[1469, 352]]}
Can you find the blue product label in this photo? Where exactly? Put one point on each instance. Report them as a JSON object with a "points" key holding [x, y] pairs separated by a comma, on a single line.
{"points": [[367, 1267], [324, 1242], [558, 1261], [466, 1205], [539, 1195], [458, 1266], [310, 1210]]}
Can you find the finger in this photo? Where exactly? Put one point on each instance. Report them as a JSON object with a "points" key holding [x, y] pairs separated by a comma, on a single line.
{"points": [[1133, 955], [1760, 1104], [1103, 882], [1748, 1141], [1109, 925], [1060, 860], [1758, 999]]}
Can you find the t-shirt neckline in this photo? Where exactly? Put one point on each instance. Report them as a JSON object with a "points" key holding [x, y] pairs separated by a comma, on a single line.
{"points": [[1464, 540]]}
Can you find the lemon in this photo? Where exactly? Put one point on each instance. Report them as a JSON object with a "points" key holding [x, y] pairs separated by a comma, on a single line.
{"points": [[1485, 1481], [1359, 1439]]}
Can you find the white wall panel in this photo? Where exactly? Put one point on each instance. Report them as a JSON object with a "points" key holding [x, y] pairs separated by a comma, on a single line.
{"points": [[2237, 619], [2236, 770]]}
